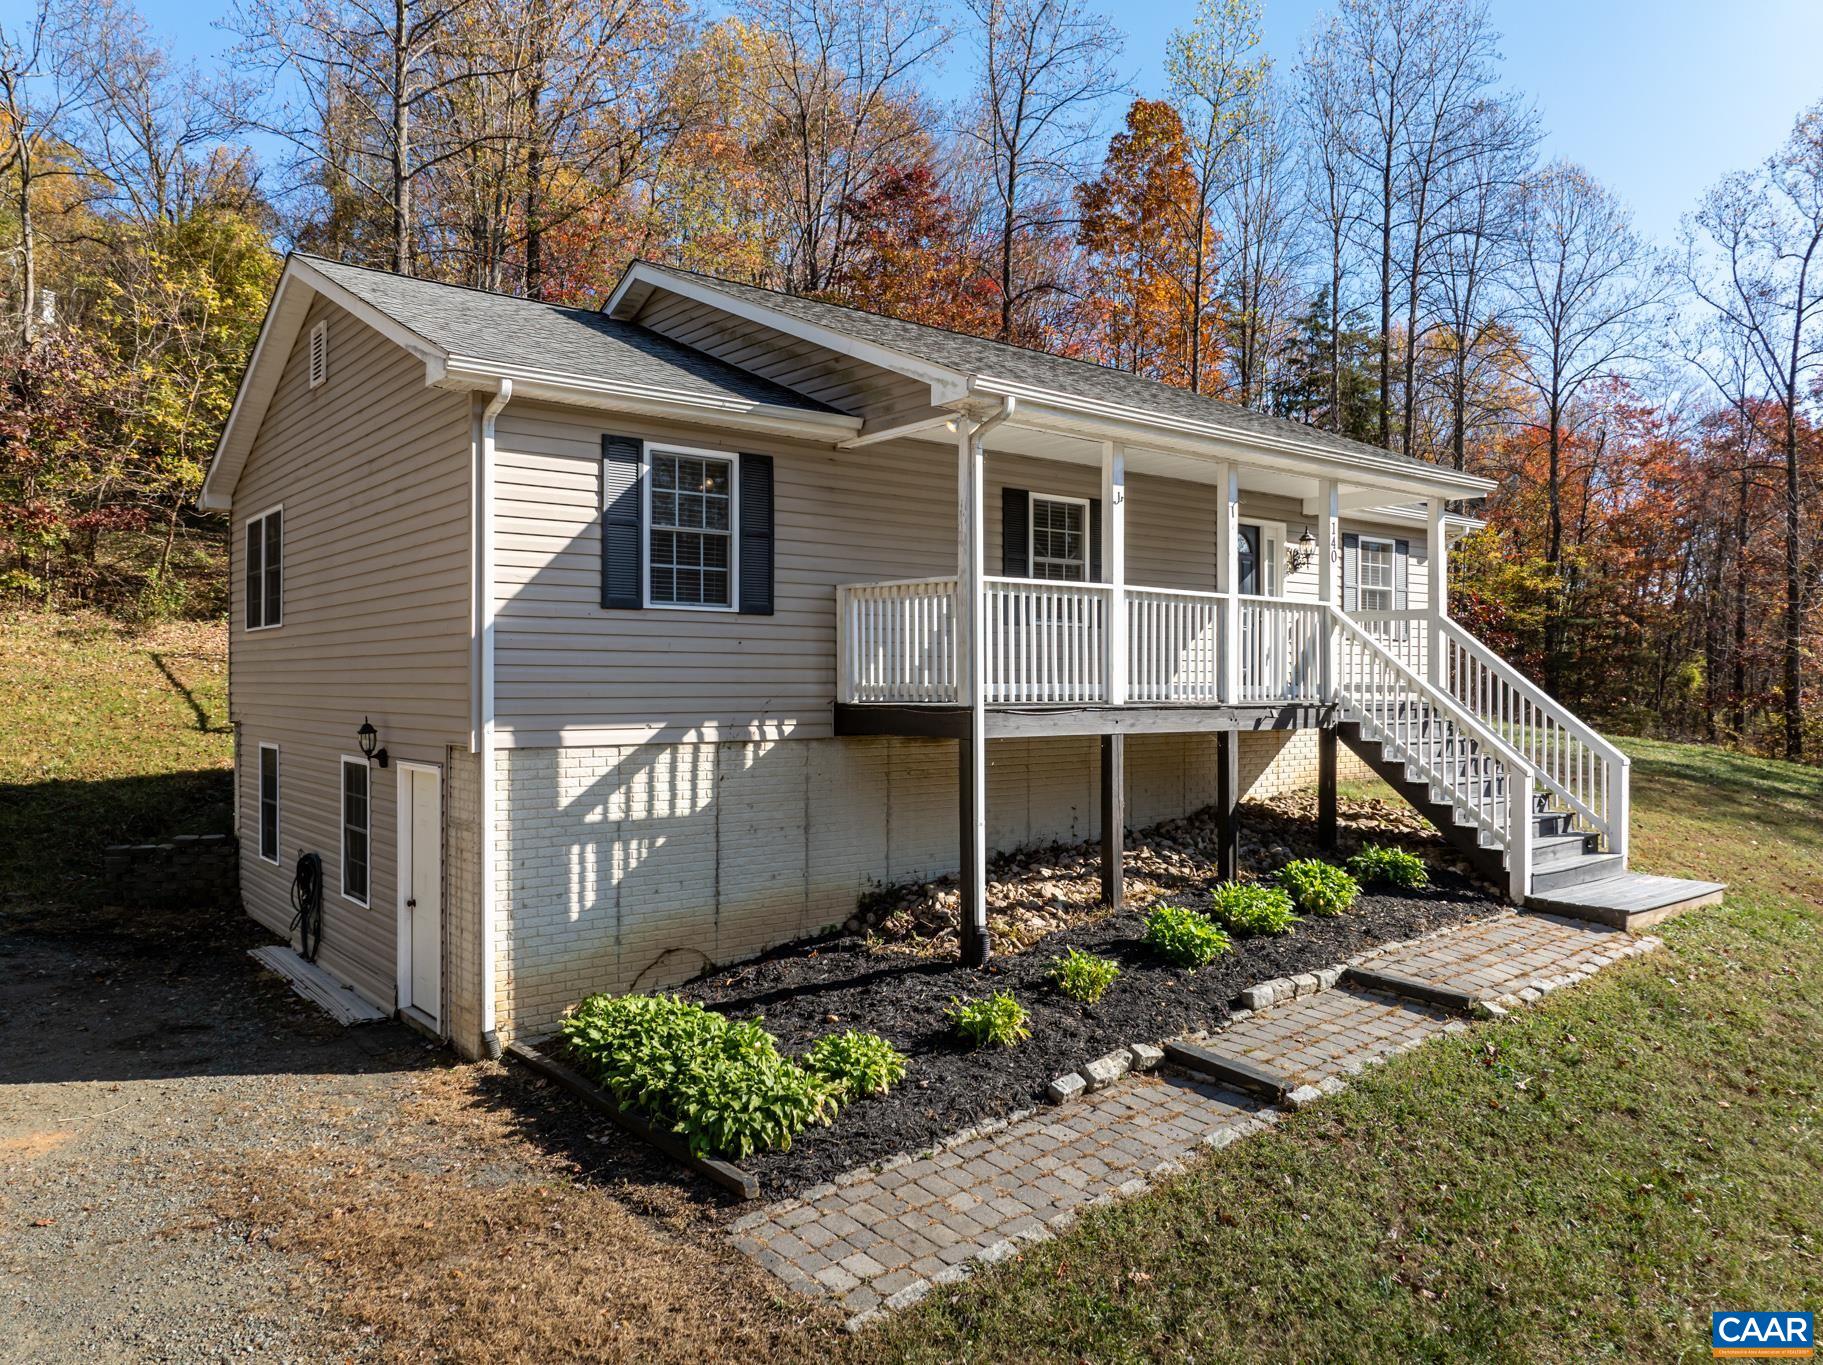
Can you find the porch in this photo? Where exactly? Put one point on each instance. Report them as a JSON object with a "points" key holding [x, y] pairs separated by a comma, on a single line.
{"points": [[1073, 648]]}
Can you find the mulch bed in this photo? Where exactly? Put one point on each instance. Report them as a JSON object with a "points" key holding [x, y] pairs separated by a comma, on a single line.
{"points": [[806, 991]]}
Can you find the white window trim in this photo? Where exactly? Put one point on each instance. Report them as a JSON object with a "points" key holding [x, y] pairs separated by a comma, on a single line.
{"points": [[317, 380], [283, 564], [1392, 572], [647, 450], [1032, 499], [259, 803], [1272, 557], [341, 828]]}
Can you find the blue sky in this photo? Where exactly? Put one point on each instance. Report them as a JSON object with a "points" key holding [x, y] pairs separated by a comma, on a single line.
{"points": [[1658, 100]]}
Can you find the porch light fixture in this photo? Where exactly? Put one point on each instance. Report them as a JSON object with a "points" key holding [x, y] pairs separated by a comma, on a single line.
{"points": [[1303, 554], [370, 739]]}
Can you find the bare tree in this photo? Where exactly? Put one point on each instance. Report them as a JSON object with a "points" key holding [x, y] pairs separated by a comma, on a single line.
{"points": [[1585, 297], [1756, 259], [1044, 66], [1331, 193], [1215, 81], [364, 72], [45, 85], [1257, 214]]}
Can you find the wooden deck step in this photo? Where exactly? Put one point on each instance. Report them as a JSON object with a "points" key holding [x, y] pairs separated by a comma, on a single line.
{"points": [[1632, 900]]}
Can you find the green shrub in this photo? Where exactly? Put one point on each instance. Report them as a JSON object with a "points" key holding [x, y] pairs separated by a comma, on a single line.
{"points": [[1185, 938], [1249, 908], [1317, 887], [1083, 976], [856, 1063], [718, 1082], [998, 1020], [1376, 863]]}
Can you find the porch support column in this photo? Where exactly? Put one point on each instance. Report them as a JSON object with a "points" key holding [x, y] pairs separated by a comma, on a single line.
{"points": [[1114, 563], [1329, 571], [1326, 787], [971, 676], [1113, 819], [1228, 580], [1227, 803], [1438, 610]]}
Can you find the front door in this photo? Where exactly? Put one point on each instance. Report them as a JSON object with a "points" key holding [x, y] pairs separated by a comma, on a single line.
{"points": [[1260, 551], [421, 890]]}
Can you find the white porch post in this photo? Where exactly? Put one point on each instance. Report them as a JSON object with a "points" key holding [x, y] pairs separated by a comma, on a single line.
{"points": [[1228, 580], [1114, 565], [1438, 609], [1329, 570], [971, 678]]}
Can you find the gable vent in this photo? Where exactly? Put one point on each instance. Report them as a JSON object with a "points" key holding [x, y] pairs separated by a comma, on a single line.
{"points": [[319, 353]]}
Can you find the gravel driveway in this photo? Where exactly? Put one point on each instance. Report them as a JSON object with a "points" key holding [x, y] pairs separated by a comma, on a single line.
{"points": [[196, 1165]]}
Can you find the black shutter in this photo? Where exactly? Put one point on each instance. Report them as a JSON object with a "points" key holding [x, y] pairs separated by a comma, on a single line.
{"points": [[622, 555], [1015, 533], [1402, 558], [1351, 570], [756, 535], [1094, 540]]}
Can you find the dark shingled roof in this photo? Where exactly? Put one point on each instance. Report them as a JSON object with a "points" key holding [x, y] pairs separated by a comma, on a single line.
{"points": [[996, 360], [582, 341]]}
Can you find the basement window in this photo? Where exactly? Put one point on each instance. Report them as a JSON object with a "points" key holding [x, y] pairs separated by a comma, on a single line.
{"points": [[265, 570], [356, 821]]}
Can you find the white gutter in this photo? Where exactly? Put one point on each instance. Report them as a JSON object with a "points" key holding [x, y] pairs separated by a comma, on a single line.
{"points": [[484, 696]]}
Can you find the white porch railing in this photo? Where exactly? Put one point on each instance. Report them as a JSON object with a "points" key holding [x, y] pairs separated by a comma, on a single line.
{"points": [[1282, 647], [896, 642], [1046, 642], [1403, 634], [1174, 645]]}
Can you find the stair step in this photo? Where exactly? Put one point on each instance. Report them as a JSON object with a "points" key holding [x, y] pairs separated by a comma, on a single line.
{"points": [[1550, 849], [1548, 823], [1577, 871], [1632, 900]]}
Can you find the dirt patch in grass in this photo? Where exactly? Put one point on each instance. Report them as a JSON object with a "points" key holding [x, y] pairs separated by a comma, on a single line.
{"points": [[839, 984], [458, 1240]]}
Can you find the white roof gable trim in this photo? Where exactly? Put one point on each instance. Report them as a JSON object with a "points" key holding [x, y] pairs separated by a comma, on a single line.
{"points": [[302, 282]]}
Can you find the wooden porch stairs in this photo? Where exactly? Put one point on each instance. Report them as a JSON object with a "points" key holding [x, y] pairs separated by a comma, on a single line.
{"points": [[1571, 873]]}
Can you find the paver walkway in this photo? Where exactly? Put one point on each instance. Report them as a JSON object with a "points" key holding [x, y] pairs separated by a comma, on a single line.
{"points": [[878, 1240]]}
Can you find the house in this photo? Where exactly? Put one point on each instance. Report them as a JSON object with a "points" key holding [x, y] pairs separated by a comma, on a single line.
{"points": [[675, 625]]}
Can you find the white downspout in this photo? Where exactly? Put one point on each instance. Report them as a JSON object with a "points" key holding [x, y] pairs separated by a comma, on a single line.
{"points": [[484, 671]]}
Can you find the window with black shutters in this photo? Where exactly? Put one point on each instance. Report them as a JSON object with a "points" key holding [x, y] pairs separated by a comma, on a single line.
{"points": [[691, 533], [269, 802], [1060, 538], [265, 556], [355, 823]]}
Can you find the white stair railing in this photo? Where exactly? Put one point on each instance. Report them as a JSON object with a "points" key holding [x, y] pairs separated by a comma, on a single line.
{"points": [[1486, 781], [1568, 758], [1403, 634]]}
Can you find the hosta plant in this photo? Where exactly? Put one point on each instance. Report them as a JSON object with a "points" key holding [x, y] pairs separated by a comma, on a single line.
{"points": [[997, 1021], [1378, 864], [1317, 887], [1249, 908], [718, 1082], [856, 1063], [1083, 976], [1185, 938]]}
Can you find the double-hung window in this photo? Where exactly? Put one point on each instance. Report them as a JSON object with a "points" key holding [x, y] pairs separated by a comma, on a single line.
{"points": [[690, 543], [1375, 589], [269, 802], [1060, 539], [265, 570], [356, 821]]}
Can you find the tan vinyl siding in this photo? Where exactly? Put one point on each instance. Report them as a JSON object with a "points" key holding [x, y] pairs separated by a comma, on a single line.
{"points": [[569, 672], [372, 469]]}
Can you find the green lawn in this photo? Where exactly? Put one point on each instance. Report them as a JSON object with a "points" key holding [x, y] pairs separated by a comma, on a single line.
{"points": [[111, 735], [1587, 1179]]}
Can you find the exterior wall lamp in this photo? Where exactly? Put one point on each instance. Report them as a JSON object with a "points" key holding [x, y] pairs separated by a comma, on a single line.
{"points": [[1303, 554], [370, 739]]}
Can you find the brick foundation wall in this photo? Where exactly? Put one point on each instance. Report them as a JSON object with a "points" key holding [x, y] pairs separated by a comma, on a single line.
{"points": [[634, 867]]}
